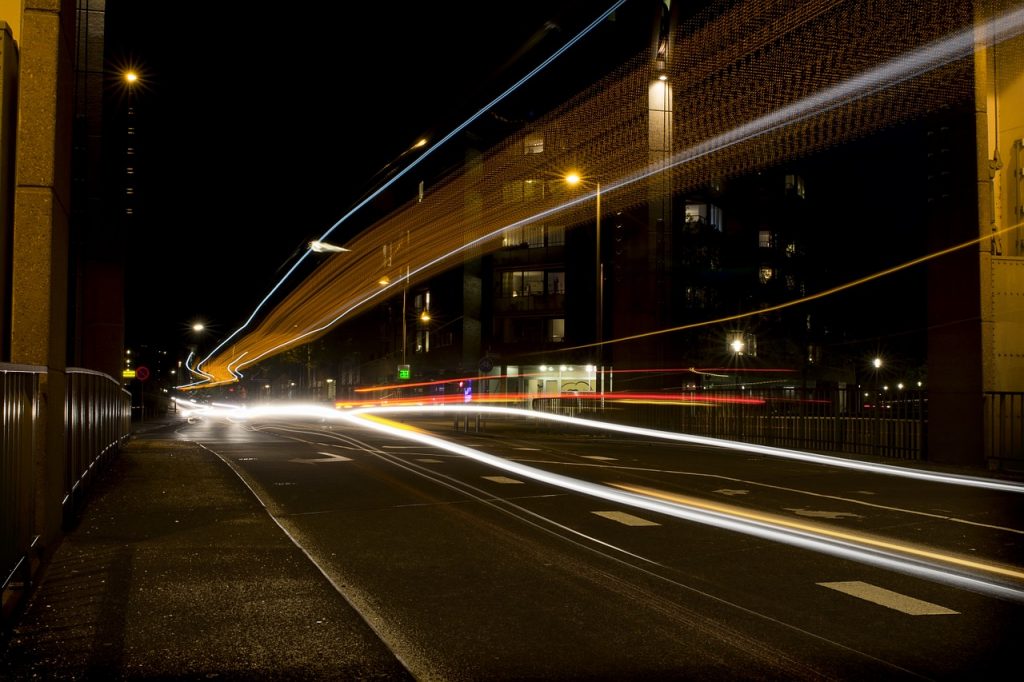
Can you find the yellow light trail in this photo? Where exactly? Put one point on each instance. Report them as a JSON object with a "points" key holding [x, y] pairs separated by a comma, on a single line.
{"points": [[805, 299], [775, 80], [819, 529]]}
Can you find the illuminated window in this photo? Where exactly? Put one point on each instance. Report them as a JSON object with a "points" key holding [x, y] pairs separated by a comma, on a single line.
{"points": [[556, 282], [131, 130], [531, 236], [130, 170], [528, 283], [129, 211], [130, 151], [556, 330], [706, 214], [795, 185], [791, 249], [534, 143], [422, 340], [765, 274], [764, 239], [556, 235]]}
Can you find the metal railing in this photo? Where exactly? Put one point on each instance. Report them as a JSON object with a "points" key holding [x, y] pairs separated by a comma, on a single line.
{"points": [[1004, 425], [883, 424], [97, 419], [19, 407]]}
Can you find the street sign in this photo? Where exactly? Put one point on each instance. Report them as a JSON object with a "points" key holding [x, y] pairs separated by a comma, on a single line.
{"points": [[128, 374], [142, 373], [404, 372]]}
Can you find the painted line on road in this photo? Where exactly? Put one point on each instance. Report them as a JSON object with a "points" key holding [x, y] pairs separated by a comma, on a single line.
{"points": [[889, 599], [501, 479], [532, 449], [598, 458], [329, 458], [428, 460], [625, 519]]}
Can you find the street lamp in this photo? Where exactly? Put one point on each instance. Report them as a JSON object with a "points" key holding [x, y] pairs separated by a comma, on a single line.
{"points": [[318, 246], [574, 179]]}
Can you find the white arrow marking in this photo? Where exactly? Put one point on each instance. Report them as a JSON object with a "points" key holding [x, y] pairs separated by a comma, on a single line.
{"points": [[331, 457]]}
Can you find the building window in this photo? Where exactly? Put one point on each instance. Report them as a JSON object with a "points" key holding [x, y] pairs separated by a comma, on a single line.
{"points": [[422, 340], [790, 249], [556, 282], [795, 185], [765, 274], [555, 235], [764, 239], [556, 330], [527, 283], [534, 143], [530, 236], [704, 214]]}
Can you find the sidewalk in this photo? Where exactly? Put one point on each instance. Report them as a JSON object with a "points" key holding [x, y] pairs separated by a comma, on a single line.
{"points": [[175, 571]]}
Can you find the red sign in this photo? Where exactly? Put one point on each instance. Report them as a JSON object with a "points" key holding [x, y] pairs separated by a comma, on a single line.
{"points": [[141, 373]]}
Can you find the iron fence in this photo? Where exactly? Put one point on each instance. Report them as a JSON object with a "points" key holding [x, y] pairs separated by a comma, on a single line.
{"points": [[890, 424]]}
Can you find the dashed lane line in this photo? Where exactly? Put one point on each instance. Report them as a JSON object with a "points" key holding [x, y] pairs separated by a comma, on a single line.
{"points": [[626, 519], [889, 599]]}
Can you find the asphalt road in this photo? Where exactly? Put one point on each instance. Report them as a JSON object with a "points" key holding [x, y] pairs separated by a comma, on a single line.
{"points": [[467, 570]]}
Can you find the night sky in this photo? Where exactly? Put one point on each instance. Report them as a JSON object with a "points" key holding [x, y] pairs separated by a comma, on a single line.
{"points": [[257, 131]]}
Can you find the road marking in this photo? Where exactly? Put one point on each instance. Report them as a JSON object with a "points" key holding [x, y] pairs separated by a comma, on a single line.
{"points": [[501, 479], [533, 449], [247, 459], [890, 599], [823, 514], [331, 457], [428, 460], [727, 491], [599, 458], [626, 519]]}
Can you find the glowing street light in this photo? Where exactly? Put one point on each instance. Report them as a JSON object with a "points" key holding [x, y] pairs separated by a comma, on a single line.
{"points": [[198, 327], [877, 363], [318, 246]]}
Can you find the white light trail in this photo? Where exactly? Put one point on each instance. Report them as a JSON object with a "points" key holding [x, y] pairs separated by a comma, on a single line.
{"points": [[913, 64], [607, 13], [927, 564]]}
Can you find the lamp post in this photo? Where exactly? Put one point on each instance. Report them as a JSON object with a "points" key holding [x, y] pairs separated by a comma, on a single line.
{"points": [[575, 179]]}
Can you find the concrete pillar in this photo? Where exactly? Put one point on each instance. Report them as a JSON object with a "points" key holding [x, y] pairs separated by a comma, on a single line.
{"points": [[39, 308], [8, 135]]}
